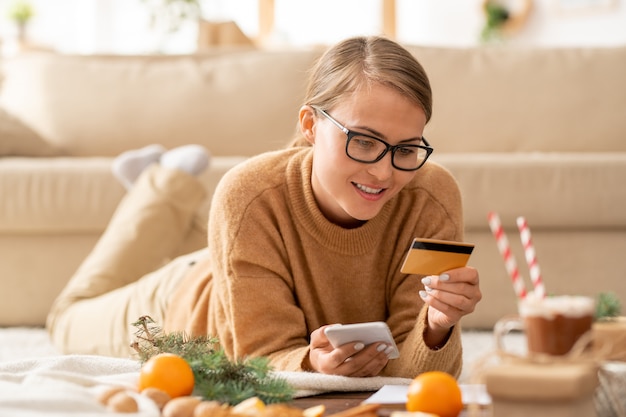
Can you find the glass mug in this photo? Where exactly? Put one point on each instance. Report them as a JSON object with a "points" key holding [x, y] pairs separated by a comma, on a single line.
{"points": [[552, 325]]}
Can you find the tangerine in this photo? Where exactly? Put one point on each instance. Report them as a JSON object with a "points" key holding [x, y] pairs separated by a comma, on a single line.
{"points": [[169, 373], [435, 392]]}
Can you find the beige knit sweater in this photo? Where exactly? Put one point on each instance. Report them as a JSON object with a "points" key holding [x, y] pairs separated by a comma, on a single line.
{"points": [[278, 269]]}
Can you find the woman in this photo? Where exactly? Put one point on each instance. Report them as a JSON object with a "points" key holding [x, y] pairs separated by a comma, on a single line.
{"points": [[304, 237]]}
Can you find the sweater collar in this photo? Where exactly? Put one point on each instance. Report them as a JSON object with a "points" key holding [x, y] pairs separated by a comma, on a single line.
{"points": [[357, 241]]}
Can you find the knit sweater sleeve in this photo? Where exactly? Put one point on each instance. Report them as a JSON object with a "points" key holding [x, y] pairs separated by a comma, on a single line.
{"points": [[417, 357], [253, 310]]}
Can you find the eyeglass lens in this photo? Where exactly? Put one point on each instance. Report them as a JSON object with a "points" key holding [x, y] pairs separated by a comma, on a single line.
{"points": [[367, 149]]}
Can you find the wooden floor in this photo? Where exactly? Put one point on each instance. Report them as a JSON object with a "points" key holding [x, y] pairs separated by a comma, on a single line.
{"points": [[341, 401]]}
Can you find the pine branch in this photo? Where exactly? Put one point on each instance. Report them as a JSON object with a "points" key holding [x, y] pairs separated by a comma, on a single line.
{"points": [[217, 377]]}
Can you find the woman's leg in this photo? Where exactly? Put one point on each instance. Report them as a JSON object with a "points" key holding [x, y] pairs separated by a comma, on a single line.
{"points": [[102, 325], [91, 313]]}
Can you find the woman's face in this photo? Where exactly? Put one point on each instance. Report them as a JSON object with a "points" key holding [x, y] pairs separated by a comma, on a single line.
{"points": [[350, 192]]}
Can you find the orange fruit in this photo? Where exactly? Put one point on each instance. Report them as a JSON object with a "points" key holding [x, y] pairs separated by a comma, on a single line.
{"points": [[252, 406], [169, 373], [435, 392]]}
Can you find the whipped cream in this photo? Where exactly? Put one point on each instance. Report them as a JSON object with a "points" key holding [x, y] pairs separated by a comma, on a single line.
{"points": [[550, 306]]}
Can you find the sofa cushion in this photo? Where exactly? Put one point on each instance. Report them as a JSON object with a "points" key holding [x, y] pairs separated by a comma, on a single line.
{"points": [[508, 99], [53, 210], [235, 103], [556, 191], [72, 195], [49, 195], [17, 139]]}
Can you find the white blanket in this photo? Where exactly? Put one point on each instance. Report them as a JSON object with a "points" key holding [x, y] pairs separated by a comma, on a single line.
{"points": [[69, 384]]}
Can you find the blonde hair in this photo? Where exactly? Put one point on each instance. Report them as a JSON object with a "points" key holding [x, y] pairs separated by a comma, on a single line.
{"points": [[354, 62]]}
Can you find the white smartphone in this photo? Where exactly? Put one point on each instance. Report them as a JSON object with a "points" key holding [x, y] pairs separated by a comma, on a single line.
{"points": [[366, 333]]}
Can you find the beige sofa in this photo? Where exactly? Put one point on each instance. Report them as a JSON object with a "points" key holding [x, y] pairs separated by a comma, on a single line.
{"points": [[533, 132]]}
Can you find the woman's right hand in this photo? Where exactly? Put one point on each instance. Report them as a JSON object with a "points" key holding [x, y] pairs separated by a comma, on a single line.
{"points": [[351, 359]]}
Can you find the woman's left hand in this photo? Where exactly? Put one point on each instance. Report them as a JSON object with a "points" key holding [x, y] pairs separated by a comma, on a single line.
{"points": [[450, 296]]}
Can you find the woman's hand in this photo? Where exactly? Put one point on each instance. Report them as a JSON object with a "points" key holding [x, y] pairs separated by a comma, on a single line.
{"points": [[351, 359], [450, 296]]}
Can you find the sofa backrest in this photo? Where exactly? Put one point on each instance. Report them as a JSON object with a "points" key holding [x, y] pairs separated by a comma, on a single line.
{"points": [[242, 102], [508, 99], [238, 102]]}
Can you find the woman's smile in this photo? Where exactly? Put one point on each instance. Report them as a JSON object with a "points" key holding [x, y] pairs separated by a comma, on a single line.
{"points": [[367, 189], [369, 193]]}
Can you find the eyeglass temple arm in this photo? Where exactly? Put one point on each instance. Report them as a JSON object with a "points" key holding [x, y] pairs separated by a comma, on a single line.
{"points": [[336, 123]]}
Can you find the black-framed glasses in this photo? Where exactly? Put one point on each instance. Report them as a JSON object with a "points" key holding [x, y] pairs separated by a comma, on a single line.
{"points": [[370, 149]]}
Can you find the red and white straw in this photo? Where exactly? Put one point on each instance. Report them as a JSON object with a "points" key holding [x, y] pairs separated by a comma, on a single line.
{"points": [[531, 257], [505, 250]]}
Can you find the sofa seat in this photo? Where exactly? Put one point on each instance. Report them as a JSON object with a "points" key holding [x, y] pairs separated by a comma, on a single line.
{"points": [[555, 190], [52, 212], [53, 204], [49, 195]]}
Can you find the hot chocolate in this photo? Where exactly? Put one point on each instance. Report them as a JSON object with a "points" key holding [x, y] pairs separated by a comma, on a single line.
{"points": [[552, 324], [555, 336]]}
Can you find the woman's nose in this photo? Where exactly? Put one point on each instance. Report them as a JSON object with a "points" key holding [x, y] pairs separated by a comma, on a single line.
{"points": [[382, 169]]}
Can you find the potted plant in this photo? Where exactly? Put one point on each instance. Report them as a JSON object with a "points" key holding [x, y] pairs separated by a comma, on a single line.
{"points": [[495, 17], [169, 15], [20, 12], [503, 17]]}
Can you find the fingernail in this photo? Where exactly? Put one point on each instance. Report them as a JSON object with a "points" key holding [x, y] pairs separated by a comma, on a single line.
{"points": [[381, 347], [444, 277], [426, 280], [359, 346], [427, 288], [423, 294], [388, 350]]}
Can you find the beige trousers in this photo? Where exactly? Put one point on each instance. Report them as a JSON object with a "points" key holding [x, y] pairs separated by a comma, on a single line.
{"points": [[134, 267]]}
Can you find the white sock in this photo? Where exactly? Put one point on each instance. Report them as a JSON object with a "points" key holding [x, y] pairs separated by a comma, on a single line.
{"points": [[130, 164], [192, 159]]}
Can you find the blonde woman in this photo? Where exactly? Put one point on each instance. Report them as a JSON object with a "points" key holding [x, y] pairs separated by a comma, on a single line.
{"points": [[300, 238]]}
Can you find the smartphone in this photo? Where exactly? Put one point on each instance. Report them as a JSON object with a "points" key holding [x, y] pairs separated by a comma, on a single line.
{"points": [[366, 333]]}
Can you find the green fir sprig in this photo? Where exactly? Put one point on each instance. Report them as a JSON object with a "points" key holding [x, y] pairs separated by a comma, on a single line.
{"points": [[217, 377], [234, 381], [150, 341], [607, 306]]}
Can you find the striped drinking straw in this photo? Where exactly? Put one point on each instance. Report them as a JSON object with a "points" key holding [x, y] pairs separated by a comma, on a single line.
{"points": [[505, 251], [531, 257]]}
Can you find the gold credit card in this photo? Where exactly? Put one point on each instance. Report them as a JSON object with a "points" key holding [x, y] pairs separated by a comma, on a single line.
{"points": [[433, 257]]}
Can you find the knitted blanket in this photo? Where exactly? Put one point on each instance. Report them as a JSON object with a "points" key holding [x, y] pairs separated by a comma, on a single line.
{"points": [[69, 385]]}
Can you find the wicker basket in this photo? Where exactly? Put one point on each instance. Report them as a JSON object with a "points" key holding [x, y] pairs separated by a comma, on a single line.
{"points": [[610, 400]]}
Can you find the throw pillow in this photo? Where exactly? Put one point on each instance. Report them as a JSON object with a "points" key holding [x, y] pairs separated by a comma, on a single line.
{"points": [[17, 139]]}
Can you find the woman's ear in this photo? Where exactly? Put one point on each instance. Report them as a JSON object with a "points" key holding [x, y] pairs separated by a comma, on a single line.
{"points": [[307, 123]]}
